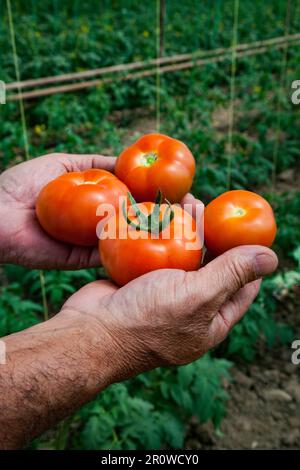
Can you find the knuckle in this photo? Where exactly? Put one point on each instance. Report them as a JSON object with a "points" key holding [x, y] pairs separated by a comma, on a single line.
{"points": [[240, 270], [54, 155]]}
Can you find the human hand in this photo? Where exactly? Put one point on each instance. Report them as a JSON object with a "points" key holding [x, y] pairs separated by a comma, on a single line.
{"points": [[170, 317], [104, 334], [23, 241]]}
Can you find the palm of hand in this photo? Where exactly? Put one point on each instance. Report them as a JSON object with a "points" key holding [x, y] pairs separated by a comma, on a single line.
{"points": [[26, 242], [170, 316]]}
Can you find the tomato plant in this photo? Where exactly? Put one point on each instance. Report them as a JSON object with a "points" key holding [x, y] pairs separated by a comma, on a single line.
{"points": [[148, 237], [66, 207], [238, 218], [156, 162]]}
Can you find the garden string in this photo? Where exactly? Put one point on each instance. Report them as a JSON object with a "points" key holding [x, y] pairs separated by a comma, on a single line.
{"points": [[232, 89], [158, 78], [24, 129], [282, 83]]}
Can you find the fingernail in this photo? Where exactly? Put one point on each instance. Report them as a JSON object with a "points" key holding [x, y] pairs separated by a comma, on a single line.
{"points": [[266, 263]]}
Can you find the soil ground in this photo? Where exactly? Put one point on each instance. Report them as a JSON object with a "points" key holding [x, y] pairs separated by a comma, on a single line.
{"points": [[264, 407]]}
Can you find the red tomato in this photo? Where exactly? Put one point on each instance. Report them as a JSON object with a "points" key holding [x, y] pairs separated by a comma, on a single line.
{"points": [[66, 207], [127, 253], [156, 162], [238, 218]]}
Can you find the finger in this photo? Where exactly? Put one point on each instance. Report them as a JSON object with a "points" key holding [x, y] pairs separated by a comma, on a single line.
{"points": [[193, 206], [188, 199], [220, 279], [63, 255], [82, 257], [233, 310], [77, 162]]}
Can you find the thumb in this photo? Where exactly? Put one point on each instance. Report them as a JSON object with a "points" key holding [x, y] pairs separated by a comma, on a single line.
{"points": [[227, 273]]}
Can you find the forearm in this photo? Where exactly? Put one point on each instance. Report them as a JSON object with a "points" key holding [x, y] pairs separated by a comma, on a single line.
{"points": [[51, 370]]}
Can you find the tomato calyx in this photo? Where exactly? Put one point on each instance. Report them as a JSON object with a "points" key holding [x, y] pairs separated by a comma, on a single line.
{"points": [[239, 212], [149, 158], [149, 223]]}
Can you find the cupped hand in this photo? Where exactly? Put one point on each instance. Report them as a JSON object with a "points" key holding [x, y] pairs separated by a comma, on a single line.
{"points": [[171, 317], [23, 241]]}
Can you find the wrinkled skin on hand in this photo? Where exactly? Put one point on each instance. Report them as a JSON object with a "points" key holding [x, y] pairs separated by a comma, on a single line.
{"points": [[104, 334], [23, 241], [171, 316]]}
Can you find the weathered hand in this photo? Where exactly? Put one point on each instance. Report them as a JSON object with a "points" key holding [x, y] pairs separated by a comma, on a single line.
{"points": [[23, 241], [172, 316], [104, 334]]}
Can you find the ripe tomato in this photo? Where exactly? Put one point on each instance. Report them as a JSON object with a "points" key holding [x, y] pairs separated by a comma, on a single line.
{"points": [[156, 162], [66, 207], [238, 218], [127, 252]]}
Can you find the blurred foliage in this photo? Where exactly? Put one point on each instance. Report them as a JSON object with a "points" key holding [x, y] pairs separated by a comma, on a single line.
{"points": [[152, 410]]}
